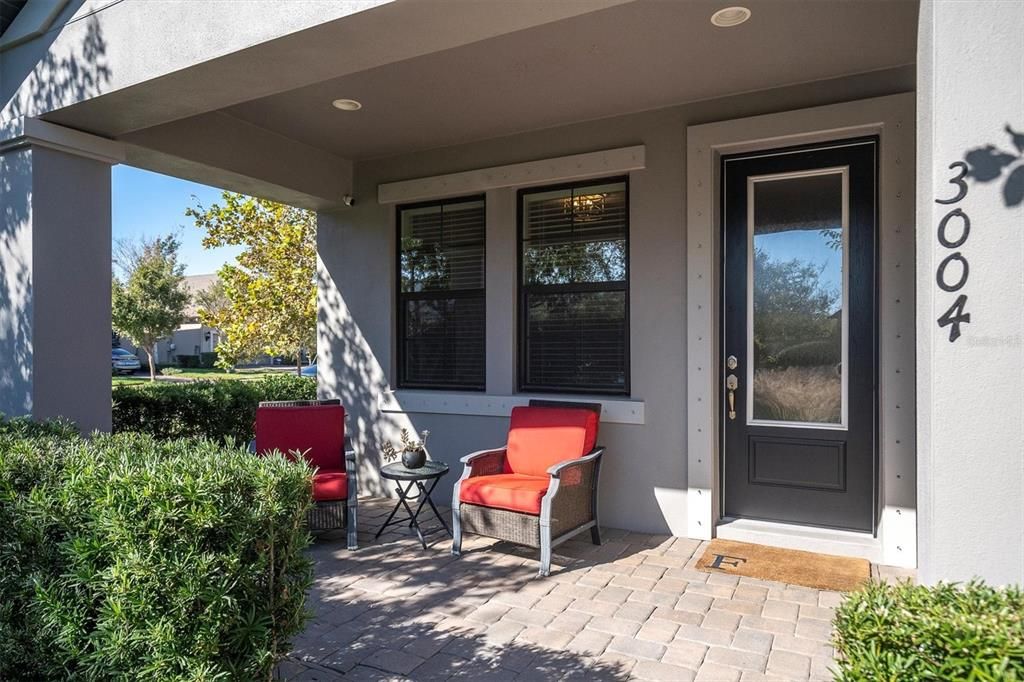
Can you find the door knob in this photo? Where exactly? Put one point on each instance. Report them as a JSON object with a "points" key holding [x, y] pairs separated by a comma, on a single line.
{"points": [[731, 382]]}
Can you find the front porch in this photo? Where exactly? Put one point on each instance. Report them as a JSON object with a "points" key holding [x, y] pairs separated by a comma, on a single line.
{"points": [[632, 608]]}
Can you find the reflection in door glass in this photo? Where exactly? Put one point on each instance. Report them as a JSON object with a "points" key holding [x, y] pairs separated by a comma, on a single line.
{"points": [[796, 307]]}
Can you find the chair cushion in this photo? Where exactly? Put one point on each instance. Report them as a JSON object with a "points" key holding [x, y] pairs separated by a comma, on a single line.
{"points": [[318, 431], [330, 485], [513, 492], [539, 437]]}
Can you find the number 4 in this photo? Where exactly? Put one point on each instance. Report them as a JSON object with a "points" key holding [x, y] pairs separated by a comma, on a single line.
{"points": [[960, 317]]}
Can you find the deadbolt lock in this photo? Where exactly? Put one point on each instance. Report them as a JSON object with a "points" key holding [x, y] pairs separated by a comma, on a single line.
{"points": [[731, 362]]}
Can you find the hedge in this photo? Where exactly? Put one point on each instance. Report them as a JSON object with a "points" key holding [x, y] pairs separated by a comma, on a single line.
{"points": [[947, 632], [219, 410], [127, 558]]}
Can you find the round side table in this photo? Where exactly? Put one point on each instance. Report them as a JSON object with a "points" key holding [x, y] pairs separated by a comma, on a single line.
{"points": [[430, 473]]}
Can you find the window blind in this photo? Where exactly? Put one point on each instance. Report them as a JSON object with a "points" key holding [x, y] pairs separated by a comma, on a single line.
{"points": [[441, 295], [574, 332]]}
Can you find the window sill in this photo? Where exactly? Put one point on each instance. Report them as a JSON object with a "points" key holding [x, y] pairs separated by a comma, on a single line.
{"points": [[613, 410]]}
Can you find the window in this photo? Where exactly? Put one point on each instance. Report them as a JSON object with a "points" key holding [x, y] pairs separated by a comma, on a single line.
{"points": [[441, 294], [574, 288]]}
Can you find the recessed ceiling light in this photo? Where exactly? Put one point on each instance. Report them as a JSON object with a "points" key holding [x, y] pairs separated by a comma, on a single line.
{"points": [[347, 104], [730, 16]]}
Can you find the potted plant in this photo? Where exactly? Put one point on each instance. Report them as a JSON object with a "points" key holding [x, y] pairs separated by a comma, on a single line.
{"points": [[413, 452]]}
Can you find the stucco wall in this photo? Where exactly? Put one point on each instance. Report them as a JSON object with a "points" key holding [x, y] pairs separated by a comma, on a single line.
{"points": [[970, 396], [55, 287], [644, 478]]}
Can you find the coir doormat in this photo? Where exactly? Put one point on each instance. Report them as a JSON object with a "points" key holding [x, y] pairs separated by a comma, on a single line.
{"points": [[819, 571]]}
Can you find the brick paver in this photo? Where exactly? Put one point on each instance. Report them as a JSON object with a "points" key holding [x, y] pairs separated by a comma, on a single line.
{"points": [[633, 608]]}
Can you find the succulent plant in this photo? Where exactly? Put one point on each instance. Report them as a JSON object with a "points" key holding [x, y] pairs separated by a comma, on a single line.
{"points": [[408, 444]]}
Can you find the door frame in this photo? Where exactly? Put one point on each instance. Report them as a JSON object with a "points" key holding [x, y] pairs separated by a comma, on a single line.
{"points": [[892, 119]]}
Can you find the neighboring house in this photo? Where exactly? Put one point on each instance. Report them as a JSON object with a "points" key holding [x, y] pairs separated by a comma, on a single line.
{"points": [[192, 337], [782, 250]]}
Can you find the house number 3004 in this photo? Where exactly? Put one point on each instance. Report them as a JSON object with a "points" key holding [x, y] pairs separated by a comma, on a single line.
{"points": [[953, 271]]}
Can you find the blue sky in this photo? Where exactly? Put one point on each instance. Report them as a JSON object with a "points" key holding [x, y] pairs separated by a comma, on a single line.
{"points": [[149, 204]]}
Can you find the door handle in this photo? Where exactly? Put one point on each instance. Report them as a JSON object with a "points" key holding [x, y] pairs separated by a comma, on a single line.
{"points": [[731, 382]]}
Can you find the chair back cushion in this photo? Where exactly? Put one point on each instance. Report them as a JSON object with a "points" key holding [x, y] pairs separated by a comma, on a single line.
{"points": [[539, 437], [318, 431]]}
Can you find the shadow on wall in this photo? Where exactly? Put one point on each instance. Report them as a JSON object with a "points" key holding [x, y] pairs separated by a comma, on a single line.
{"points": [[991, 163], [357, 378], [44, 84]]}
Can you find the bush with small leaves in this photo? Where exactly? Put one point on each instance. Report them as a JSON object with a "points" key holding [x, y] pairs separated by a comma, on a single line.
{"points": [[221, 410], [124, 557], [946, 632]]}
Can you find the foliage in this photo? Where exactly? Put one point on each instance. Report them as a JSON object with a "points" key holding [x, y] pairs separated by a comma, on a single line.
{"points": [[947, 632], [170, 371], [187, 361], [268, 300], [218, 410], [125, 558], [149, 303], [792, 307], [208, 360]]}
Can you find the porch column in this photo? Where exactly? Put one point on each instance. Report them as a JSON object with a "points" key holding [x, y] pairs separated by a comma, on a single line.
{"points": [[970, 250], [55, 273]]}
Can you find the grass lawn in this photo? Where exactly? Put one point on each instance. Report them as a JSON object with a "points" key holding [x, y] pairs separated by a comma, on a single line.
{"points": [[243, 374]]}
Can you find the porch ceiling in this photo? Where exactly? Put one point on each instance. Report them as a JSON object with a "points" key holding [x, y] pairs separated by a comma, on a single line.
{"points": [[641, 55]]}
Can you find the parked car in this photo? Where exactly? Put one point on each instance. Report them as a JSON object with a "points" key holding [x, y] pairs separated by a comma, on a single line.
{"points": [[309, 370], [123, 362]]}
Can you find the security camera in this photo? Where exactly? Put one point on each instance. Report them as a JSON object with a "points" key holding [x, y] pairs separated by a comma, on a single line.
{"points": [[348, 200]]}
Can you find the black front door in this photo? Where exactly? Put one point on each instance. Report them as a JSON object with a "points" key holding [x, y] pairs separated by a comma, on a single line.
{"points": [[799, 342]]}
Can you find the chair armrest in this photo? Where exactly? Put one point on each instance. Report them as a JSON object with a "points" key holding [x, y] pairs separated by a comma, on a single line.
{"points": [[556, 470], [473, 456], [483, 462]]}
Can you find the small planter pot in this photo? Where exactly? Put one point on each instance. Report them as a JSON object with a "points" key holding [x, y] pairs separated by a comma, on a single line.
{"points": [[414, 459]]}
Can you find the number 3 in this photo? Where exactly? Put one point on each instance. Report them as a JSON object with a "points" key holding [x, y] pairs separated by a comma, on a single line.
{"points": [[958, 181]]}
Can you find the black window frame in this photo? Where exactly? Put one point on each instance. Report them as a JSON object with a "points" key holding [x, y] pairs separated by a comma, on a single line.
{"points": [[523, 291], [401, 297]]}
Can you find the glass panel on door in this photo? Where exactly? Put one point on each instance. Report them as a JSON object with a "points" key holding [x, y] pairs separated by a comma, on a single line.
{"points": [[796, 301]]}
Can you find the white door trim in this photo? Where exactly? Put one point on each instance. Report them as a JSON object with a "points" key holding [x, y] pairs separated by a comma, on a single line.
{"points": [[892, 118]]}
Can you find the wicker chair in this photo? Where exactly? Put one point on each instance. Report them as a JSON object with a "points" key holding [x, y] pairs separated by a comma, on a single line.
{"points": [[541, 488], [316, 429]]}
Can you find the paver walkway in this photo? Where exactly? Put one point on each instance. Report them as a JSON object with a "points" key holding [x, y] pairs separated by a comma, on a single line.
{"points": [[633, 608]]}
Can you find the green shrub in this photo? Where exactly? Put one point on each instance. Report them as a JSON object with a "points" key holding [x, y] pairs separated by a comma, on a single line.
{"points": [[187, 361], [208, 360], [125, 558], [171, 371], [947, 632], [219, 410]]}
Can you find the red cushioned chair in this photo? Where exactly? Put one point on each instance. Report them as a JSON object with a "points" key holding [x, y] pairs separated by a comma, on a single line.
{"points": [[315, 430], [541, 488]]}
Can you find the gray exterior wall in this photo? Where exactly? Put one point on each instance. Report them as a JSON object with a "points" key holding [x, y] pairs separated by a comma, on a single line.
{"points": [[644, 477], [970, 400], [55, 286]]}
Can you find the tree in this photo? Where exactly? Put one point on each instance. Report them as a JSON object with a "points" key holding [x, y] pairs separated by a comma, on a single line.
{"points": [[271, 291], [149, 298]]}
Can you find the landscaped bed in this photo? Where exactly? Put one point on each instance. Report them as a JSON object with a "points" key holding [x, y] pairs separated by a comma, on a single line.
{"points": [[947, 632], [124, 557], [220, 410]]}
